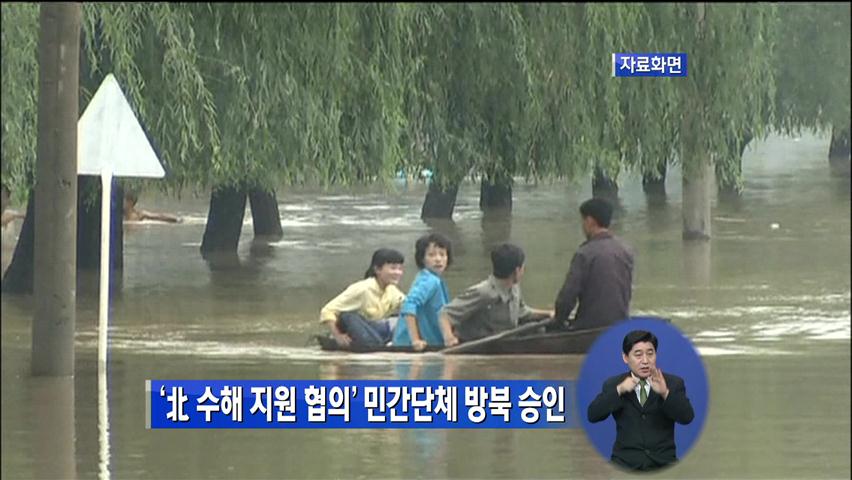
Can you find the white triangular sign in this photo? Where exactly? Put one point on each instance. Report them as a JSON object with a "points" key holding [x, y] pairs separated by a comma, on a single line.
{"points": [[110, 139]]}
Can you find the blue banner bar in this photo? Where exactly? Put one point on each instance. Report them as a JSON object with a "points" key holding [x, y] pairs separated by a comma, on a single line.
{"points": [[188, 404], [649, 65]]}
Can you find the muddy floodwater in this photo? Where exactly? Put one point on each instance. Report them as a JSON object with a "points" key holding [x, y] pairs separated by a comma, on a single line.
{"points": [[766, 302]]}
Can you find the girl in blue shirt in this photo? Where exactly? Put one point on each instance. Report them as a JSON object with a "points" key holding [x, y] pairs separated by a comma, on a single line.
{"points": [[419, 324]]}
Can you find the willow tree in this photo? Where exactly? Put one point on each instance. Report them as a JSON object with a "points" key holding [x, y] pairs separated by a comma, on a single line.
{"points": [[18, 110], [485, 83], [582, 120], [234, 105], [813, 69], [649, 104], [120, 27], [506, 79], [632, 120], [321, 103], [646, 123], [729, 85], [441, 109], [19, 90], [558, 132]]}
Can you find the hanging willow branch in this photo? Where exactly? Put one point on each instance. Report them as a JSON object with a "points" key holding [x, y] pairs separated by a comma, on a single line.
{"points": [[269, 94]]}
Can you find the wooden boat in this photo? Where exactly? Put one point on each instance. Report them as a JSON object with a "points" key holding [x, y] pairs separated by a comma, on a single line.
{"points": [[553, 343]]}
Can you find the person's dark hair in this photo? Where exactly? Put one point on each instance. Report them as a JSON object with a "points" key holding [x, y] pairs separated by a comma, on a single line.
{"points": [[381, 257], [635, 337], [599, 209], [426, 240], [505, 259], [132, 196]]}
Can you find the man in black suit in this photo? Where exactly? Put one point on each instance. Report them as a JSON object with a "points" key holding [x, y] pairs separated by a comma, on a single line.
{"points": [[645, 403]]}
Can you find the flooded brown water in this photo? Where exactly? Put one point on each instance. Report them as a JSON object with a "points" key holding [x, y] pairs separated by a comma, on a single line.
{"points": [[767, 306]]}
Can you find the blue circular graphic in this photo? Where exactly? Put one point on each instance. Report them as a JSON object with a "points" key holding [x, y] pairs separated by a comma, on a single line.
{"points": [[675, 355]]}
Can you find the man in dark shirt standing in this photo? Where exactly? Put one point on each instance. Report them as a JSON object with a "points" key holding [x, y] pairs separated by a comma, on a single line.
{"points": [[601, 274]]}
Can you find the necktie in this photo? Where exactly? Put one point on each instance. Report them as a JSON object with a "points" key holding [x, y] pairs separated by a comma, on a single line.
{"points": [[643, 396]]}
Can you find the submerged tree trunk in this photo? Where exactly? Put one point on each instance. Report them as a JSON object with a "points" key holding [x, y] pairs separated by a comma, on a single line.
{"points": [[55, 436], [89, 236], [224, 220], [696, 160], [495, 195], [603, 186], [438, 203], [19, 276], [264, 213], [55, 242], [839, 152], [89, 227], [697, 183], [496, 228], [697, 263], [655, 184]]}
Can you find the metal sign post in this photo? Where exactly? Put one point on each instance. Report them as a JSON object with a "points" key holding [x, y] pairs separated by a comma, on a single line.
{"points": [[110, 143]]}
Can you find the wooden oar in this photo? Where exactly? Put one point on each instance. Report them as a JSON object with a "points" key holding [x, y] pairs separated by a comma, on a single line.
{"points": [[463, 347]]}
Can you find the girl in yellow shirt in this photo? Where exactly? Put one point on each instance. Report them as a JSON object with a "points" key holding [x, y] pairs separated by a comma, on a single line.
{"points": [[362, 314]]}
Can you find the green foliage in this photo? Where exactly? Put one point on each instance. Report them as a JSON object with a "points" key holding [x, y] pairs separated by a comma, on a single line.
{"points": [[270, 94], [731, 82], [18, 95], [813, 66]]}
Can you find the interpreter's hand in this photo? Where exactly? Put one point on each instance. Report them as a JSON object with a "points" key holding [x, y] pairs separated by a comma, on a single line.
{"points": [[658, 383], [627, 385], [451, 341], [418, 345], [342, 339], [551, 314]]}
